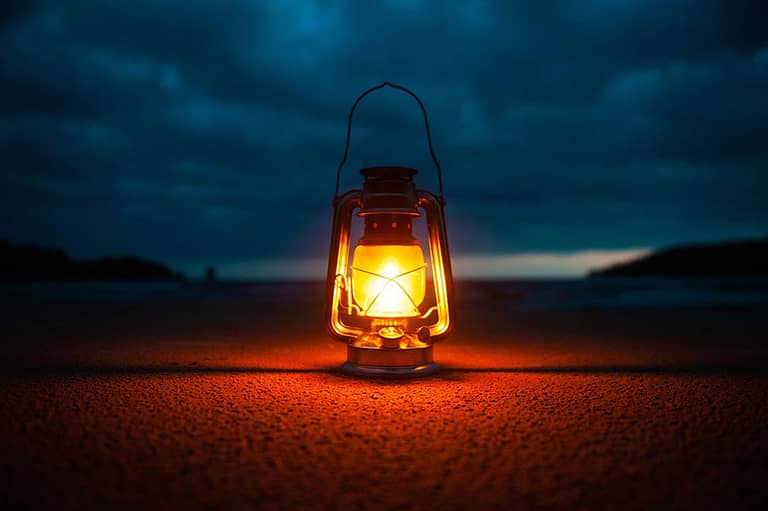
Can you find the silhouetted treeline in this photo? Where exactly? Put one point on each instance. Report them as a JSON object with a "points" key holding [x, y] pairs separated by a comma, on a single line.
{"points": [[741, 258], [19, 263]]}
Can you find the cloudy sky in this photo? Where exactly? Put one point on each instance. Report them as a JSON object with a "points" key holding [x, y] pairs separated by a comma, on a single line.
{"points": [[570, 133]]}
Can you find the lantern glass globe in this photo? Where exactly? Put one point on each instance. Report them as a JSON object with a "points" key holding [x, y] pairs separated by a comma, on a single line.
{"points": [[388, 281]]}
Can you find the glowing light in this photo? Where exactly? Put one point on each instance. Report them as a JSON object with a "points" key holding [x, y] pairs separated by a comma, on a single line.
{"points": [[388, 281]]}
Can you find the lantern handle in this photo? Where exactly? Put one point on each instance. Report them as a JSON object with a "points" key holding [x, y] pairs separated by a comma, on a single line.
{"points": [[426, 126]]}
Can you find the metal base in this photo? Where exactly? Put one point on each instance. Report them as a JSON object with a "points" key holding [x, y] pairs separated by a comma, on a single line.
{"points": [[399, 363]]}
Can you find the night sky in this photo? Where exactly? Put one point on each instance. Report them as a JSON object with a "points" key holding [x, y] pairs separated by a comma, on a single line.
{"points": [[203, 133]]}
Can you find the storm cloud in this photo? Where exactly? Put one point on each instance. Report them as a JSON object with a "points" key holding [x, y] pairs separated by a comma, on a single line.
{"points": [[212, 130]]}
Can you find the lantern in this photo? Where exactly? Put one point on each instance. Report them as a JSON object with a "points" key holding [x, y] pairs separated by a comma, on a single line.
{"points": [[389, 289]]}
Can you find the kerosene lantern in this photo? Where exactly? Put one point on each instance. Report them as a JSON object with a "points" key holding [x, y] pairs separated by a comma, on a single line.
{"points": [[389, 293]]}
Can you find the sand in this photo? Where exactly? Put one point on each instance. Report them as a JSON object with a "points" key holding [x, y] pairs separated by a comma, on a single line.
{"points": [[238, 403]]}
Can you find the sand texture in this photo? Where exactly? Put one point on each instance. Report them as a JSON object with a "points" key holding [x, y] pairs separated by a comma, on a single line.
{"points": [[238, 403]]}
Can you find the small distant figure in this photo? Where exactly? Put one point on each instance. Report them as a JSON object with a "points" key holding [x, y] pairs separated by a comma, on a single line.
{"points": [[210, 275]]}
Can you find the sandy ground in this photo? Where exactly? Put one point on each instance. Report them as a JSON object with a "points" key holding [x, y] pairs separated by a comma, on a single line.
{"points": [[238, 403]]}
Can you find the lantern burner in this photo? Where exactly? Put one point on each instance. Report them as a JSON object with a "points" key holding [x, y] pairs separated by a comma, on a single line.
{"points": [[391, 333]]}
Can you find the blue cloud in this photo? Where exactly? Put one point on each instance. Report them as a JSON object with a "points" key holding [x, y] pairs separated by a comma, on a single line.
{"points": [[170, 128]]}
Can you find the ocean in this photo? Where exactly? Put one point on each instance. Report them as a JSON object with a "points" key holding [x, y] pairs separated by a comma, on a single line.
{"points": [[517, 295]]}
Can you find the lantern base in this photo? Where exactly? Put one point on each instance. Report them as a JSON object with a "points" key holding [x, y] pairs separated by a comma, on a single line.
{"points": [[381, 362]]}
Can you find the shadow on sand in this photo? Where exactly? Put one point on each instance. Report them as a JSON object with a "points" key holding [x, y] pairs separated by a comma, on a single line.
{"points": [[446, 372]]}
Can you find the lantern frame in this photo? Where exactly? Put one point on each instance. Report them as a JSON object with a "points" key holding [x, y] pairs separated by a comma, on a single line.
{"points": [[403, 358]]}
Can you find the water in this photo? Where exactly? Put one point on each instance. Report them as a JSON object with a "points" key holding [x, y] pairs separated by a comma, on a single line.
{"points": [[621, 293], [564, 294]]}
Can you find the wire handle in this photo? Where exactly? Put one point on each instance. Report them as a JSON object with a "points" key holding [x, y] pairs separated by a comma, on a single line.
{"points": [[426, 126]]}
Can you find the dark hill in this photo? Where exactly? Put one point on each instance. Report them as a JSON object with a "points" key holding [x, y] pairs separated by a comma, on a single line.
{"points": [[742, 258], [23, 263]]}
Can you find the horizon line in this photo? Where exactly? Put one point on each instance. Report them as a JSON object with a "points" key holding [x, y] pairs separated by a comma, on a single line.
{"points": [[539, 264]]}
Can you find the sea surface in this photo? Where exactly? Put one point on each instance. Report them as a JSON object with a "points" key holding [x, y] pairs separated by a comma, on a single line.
{"points": [[521, 295]]}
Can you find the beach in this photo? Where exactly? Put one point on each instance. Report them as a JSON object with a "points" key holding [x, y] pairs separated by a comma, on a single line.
{"points": [[196, 396]]}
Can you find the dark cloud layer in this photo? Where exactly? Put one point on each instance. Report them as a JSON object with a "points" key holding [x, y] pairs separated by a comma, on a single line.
{"points": [[185, 130]]}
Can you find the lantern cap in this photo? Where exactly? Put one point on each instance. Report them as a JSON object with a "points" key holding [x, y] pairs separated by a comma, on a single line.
{"points": [[388, 190], [388, 172]]}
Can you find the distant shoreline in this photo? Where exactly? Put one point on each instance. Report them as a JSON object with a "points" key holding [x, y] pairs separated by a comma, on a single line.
{"points": [[32, 263], [747, 258]]}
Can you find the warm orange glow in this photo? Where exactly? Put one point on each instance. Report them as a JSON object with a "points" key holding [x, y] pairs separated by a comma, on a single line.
{"points": [[388, 281], [351, 291], [439, 263]]}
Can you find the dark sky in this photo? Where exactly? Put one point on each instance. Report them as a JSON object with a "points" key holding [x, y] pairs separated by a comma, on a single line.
{"points": [[211, 131]]}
